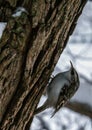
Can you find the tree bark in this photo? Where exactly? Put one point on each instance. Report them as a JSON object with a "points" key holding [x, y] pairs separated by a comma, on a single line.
{"points": [[29, 50]]}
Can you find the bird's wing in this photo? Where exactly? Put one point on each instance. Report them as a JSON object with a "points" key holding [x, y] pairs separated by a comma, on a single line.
{"points": [[62, 99]]}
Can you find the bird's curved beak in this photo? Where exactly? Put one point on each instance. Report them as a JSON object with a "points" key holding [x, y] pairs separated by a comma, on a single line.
{"points": [[71, 64]]}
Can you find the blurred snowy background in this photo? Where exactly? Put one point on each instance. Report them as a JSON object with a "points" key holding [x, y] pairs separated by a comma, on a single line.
{"points": [[79, 51]]}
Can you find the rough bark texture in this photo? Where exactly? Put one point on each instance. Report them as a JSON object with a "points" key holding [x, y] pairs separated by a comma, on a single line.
{"points": [[29, 50]]}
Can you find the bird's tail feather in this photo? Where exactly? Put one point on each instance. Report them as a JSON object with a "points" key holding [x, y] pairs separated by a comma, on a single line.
{"points": [[42, 108]]}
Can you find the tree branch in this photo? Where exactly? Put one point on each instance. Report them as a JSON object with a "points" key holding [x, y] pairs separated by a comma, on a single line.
{"points": [[81, 108]]}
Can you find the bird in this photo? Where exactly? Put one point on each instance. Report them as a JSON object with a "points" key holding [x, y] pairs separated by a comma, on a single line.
{"points": [[60, 90]]}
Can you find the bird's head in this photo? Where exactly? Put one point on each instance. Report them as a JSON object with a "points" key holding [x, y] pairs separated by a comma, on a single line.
{"points": [[74, 74]]}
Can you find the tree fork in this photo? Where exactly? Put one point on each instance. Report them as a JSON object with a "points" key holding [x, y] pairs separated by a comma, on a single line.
{"points": [[30, 47]]}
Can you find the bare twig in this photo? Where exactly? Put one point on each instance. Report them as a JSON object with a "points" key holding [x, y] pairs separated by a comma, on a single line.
{"points": [[81, 108]]}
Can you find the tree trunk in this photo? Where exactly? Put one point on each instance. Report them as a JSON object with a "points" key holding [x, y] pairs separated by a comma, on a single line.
{"points": [[29, 50]]}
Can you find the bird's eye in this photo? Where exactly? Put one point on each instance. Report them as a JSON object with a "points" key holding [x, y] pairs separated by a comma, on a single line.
{"points": [[72, 72]]}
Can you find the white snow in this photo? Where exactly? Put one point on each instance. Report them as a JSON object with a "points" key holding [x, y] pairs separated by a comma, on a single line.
{"points": [[64, 118], [18, 11], [2, 27], [79, 60]]}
